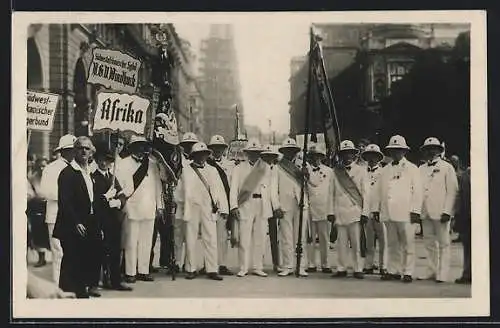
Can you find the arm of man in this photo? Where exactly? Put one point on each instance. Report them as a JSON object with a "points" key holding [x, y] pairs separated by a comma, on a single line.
{"points": [[48, 188], [365, 193], [416, 191], [233, 190], [66, 197], [451, 183], [219, 191]]}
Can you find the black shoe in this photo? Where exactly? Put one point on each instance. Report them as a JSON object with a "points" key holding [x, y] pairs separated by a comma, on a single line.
{"points": [[82, 295], [122, 288], [40, 263], [368, 271], [191, 275], [463, 281], [396, 277], [340, 274], [309, 270], [383, 272], [358, 275], [386, 276], [145, 277], [326, 270], [93, 292], [130, 279], [439, 281], [407, 279], [214, 276], [223, 270]]}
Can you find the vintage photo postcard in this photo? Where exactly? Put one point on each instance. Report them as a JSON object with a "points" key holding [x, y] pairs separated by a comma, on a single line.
{"points": [[249, 165]]}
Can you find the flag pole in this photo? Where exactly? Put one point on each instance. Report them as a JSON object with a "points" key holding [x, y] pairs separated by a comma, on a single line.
{"points": [[299, 248]]}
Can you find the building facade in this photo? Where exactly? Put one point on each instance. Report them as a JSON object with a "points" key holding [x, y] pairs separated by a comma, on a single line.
{"points": [[59, 57], [363, 63], [219, 81]]}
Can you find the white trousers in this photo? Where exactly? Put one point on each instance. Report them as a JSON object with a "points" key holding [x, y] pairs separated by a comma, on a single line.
{"points": [[253, 229], [401, 247], [375, 229], [322, 230], [437, 242], [222, 242], [180, 239], [57, 254], [201, 219], [349, 235], [289, 236], [139, 241]]}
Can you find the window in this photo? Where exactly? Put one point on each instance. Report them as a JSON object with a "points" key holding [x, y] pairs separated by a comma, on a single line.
{"points": [[397, 70]]}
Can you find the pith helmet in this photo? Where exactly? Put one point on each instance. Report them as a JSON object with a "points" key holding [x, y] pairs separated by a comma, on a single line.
{"points": [[66, 142], [432, 142], [347, 145], [372, 149], [289, 143], [217, 140], [397, 142], [317, 149], [270, 150], [253, 145], [136, 140], [189, 137], [200, 147]]}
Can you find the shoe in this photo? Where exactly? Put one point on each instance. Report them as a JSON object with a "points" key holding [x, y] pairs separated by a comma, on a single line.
{"points": [[463, 281], [439, 281], [340, 274], [40, 264], [121, 288], [303, 273], [407, 279], [285, 272], [259, 273], [82, 295], [396, 276], [358, 275], [145, 277], [223, 270], [382, 272], [326, 270], [93, 292], [368, 271], [191, 275], [242, 273], [430, 277], [214, 276], [312, 269], [386, 276], [130, 279]]}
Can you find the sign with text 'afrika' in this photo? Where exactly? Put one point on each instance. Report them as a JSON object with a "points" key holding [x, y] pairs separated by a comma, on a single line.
{"points": [[120, 111], [114, 70], [40, 110]]}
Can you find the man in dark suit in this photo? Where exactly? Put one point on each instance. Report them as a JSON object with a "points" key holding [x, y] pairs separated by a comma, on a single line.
{"points": [[76, 225], [109, 200], [463, 225]]}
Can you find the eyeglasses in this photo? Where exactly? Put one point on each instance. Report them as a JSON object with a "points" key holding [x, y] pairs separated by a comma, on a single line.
{"points": [[84, 148]]}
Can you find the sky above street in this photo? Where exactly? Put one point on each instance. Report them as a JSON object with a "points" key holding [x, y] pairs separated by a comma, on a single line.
{"points": [[264, 48]]}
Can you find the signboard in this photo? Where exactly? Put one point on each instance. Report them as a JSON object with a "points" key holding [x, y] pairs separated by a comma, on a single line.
{"points": [[120, 111], [40, 110], [235, 151], [114, 70]]}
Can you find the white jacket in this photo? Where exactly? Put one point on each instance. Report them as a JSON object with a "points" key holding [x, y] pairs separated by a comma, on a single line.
{"points": [[341, 205], [440, 188], [374, 180], [267, 188], [289, 191], [143, 203], [191, 191], [399, 192], [318, 186], [49, 188]]}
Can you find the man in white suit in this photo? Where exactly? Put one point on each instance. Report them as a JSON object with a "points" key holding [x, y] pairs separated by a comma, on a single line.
{"points": [[440, 189], [398, 205], [320, 177], [253, 197], [201, 195], [349, 208]]}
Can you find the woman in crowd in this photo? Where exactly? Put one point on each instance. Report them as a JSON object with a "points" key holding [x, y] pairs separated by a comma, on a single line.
{"points": [[36, 212]]}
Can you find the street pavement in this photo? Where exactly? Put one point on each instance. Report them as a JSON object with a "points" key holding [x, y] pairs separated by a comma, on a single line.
{"points": [[316, 285]]}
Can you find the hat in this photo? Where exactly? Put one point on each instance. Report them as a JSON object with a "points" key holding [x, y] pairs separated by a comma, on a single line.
{"points": [[189, 137], [347, 145], [161, 116], [200, 147], [397, 142], [317, 149], [432, 142], [217, 140], [372, 149], [103, 151], [253, 145], [137, 139], [269, 150], [66, 142], [289, 143]]}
